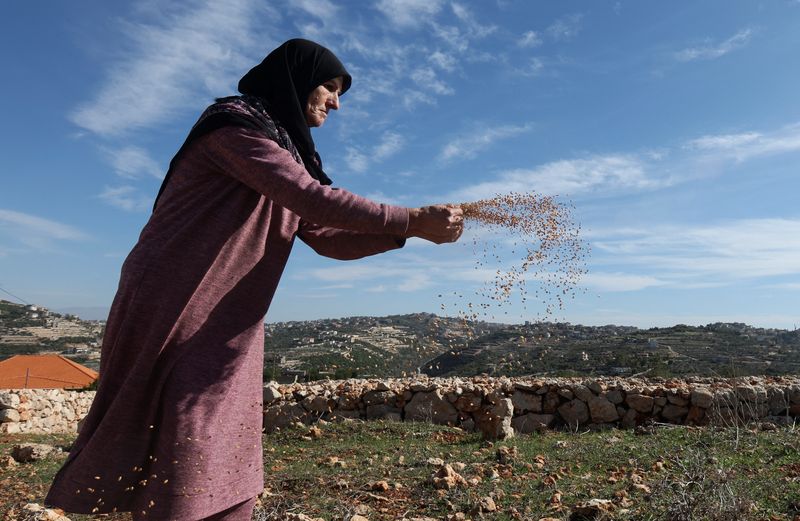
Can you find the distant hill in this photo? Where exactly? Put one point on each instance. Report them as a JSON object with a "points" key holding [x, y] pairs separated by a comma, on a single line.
{"points": [[30, 329], [394, 345], [399, 345]]}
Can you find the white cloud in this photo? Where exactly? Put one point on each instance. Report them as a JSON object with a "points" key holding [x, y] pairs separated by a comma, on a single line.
{"points": [[467, 147], [724, 141], [717, 253], [134, 162], [390, 144], [444, 61], [534, 67], [476, 29], [614, 282], [565, 28], [321, 9], [530, 39], [428, 80], [36, 232], [409, 13], [126, 198], [711, 51], [381, 197], [567, 177], [192, 54], [356, 160], [748, 145]]}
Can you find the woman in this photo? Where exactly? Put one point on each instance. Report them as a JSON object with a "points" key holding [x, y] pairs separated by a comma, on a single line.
{"points": [[174, 431]]}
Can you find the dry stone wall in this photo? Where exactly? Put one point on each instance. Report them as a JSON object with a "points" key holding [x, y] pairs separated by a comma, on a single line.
{"points": [[496, 407], [42, 410], [499, 407]]}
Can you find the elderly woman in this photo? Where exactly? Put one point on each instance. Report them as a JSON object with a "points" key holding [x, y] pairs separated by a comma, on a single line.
{"points": [[174, 431]]}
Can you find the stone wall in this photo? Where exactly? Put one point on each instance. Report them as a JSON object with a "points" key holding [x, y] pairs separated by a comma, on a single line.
{"points": [[498, 407], [42, 410]]}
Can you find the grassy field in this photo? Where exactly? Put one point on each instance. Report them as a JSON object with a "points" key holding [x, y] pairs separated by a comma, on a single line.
{"points": [[383, 471]]}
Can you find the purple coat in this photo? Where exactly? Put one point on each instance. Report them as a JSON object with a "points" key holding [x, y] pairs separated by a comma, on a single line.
{"points": [[175, 428]]}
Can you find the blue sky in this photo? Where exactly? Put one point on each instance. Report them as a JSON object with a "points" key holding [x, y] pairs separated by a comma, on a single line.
{"points": [[673, 127]]}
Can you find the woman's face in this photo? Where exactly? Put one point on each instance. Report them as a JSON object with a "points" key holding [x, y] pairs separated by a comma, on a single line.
{"points": [[322, 99]]}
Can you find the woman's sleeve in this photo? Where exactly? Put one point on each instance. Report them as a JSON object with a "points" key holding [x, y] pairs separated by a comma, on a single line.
{"points": [[257, 161], [346, 244]]}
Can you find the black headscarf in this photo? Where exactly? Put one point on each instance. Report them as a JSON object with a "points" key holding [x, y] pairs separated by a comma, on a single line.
{"points": [[283, 82], [285, 79]]}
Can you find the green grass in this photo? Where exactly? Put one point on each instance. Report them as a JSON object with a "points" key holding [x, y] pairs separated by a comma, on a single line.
{"points": [[666, 473]]}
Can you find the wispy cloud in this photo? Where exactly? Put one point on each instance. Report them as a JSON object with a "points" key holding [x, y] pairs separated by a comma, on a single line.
{"points": [[703, 157], [718, 253], [474, 27], [748, 145], [409, 13], [390, 144], [530, 39], [711, 51], [36, 232], [177, 57], [133, 162], [565, 28], [127, 198], [568, 177], [387, 275], [443, 61], [469, 146], [723, 141], [617, 282], [358, 161], [535, 66], [426, 78]]}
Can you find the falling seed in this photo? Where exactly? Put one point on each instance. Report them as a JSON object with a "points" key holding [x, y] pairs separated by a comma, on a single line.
{"points": [[553, 255]]}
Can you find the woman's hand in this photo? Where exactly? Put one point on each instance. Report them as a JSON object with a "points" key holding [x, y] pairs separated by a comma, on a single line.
{"points": [[439, 223]]}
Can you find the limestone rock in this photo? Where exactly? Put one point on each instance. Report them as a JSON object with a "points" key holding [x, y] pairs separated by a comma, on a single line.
{"points": [[9, 415], [582, 392], [9, 400], [283, 415], [593, 509], [271, 393], [494, 422], [468, 402], [447, 478], [526, 402], [36, 512], [640, 402], [431, 407], [383, 412], [602, 410], [31, 452], [531, 422], [615, 396], [701, 397], [674, 413], [485, 504], [574, 413]]}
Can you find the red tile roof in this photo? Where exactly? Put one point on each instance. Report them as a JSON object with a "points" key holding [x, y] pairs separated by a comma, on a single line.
{"points": [[44, 372]]}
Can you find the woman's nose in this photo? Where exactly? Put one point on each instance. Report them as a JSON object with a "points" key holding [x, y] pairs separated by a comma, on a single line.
{"points": [[333, 101]]}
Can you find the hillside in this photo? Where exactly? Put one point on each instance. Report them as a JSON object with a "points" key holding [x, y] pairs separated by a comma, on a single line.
{"points": [[28, 329], [394, 345], [399, 345]]}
